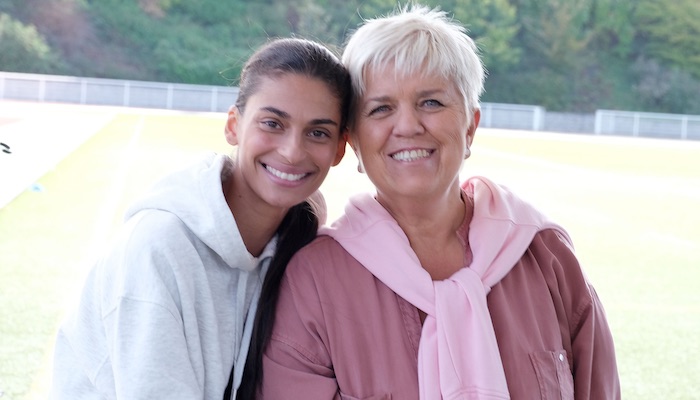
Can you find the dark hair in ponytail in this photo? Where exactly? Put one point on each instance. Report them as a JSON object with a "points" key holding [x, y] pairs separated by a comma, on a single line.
{"points": [[297, 230], [308, 58]]}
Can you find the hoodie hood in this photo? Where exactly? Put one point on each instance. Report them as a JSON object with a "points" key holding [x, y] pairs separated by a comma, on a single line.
{"points": [[195, 195]]}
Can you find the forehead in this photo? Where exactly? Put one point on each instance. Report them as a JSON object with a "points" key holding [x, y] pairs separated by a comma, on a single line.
{"points": [[273, 83], [390, 81], [295, 94]]}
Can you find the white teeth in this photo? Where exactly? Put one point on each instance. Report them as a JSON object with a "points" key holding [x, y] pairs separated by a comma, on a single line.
{"points": [[410, 155], [284, 175]]}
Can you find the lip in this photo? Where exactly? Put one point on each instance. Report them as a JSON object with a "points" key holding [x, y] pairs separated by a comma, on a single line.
{"points": [[412, 154], [288, 175]]}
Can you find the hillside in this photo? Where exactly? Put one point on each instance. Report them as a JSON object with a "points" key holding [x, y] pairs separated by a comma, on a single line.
{"points": [[566, 55]]}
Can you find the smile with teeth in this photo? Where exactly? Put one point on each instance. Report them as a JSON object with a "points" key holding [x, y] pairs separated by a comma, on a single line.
{"points": [[284, 175], [411, 155]]}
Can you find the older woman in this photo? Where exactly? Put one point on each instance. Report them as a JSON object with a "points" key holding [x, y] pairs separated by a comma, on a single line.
{"points": [[430, 288]]}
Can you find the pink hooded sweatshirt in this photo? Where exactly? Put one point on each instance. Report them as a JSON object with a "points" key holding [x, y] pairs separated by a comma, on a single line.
{"points": [[458, 354]]}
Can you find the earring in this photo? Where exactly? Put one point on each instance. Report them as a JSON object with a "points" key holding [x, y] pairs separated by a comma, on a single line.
{"points": [[360, 169], [467, 153]]}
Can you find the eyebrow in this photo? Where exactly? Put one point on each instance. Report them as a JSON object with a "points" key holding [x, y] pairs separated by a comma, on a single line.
{"points": [[422, 93], [431, 91], [284, 114], [379, 99]]}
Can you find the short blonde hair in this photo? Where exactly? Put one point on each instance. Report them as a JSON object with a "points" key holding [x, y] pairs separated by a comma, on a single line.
{"points": [[417, 40]]}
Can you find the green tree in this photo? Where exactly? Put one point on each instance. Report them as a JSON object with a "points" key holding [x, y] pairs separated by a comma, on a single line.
{"points": [[493, 25], [665, 89], [332, 21], [23, 48], [573, 53], [612, 26], [670, 32], [556, 31]]}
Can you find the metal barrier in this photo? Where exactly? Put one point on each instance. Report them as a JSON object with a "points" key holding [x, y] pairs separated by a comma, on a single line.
{"points": [[174, 96], [671, 126], [66, 89], [512, 116]]}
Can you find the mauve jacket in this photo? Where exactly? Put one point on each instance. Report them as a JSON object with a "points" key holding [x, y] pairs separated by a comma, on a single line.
{"points": [[340, 333]]}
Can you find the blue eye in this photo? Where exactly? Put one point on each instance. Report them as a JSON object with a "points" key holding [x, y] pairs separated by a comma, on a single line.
{"points": [[432, 103], [379, 109]]}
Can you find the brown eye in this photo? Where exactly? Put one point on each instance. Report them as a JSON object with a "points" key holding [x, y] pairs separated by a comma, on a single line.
{"points": [[272, 124], [319, 134]]}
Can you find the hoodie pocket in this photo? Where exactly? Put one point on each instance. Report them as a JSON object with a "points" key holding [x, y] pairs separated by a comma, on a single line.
{"points": [[553, 375]]}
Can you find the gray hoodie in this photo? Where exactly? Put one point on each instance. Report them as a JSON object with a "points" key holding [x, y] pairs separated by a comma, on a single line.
{"points": [[168, 310]]}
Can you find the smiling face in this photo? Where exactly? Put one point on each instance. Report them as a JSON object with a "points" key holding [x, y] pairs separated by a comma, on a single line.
{"points": [[411, 133], [288, 137]]}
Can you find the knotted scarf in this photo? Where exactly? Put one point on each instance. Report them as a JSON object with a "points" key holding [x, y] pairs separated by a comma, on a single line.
{"points": [[458, 356]]}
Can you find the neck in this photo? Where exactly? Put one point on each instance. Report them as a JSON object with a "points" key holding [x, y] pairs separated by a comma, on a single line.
{"points": [[435, 217], [257, 222], [431, 227]]}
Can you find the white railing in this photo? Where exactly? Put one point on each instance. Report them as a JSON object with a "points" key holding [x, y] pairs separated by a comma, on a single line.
{"points": [[673, 126], [512, 116], [66, 89]]}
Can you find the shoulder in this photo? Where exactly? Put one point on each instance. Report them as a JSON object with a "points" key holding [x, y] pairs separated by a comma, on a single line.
{"points": [[563, 273], [325, 264], [156, 230], [552, 251], [315, 257], [150, 254], [549, 269]]}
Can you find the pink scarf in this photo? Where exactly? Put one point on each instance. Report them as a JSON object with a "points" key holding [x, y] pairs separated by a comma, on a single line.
{"points": [[458, 356]]}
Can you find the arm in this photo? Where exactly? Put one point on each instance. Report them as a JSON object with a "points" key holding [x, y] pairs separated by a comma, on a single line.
{"points": [[115, 346], [149, 353], [296, 361], [147, 286], [594, 365]]}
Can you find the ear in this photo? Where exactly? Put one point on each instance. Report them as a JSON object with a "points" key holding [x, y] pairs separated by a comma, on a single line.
{"points": [[356, 150], [231, 128], [476, 117], [352, 144], [340, 151]]}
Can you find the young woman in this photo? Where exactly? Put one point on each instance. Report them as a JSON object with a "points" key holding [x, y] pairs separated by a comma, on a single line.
{"points": [[168, 311]]}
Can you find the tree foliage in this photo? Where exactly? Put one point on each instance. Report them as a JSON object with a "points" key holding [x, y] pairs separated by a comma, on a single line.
{"points": [[670, 32], [493, 25], [665, 89], [555, 32], [23, 48], [612, 27], [570, 55]]}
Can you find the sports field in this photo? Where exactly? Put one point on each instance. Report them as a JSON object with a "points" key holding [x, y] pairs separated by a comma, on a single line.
{"points": [[630, 205]]}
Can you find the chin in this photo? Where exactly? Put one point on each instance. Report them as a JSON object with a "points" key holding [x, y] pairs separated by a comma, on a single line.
{"points": [[284, 202]]}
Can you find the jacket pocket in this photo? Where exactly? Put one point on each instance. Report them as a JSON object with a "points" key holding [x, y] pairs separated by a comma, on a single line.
{"points": [[386, 396], [553, 375]]}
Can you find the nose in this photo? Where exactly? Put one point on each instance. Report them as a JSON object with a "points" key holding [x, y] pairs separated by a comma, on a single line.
{"points": [[291, 147], [408, 122]]}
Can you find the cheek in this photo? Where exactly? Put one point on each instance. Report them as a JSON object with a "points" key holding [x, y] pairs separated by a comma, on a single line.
{"points": [[260, 141], [368, 137], [323, 156]]}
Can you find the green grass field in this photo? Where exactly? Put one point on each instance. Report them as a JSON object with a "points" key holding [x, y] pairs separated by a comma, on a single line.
{"points": [[629, 204]]}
